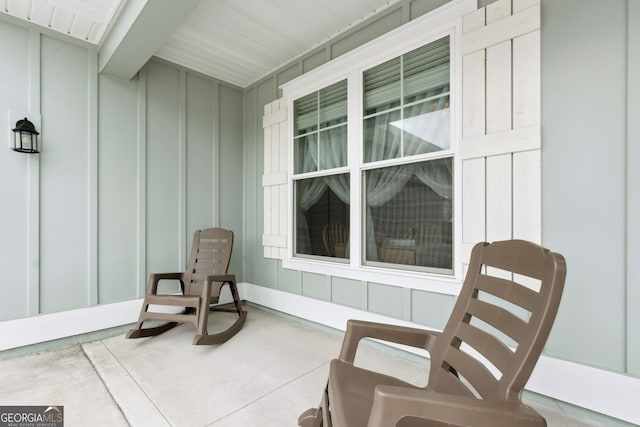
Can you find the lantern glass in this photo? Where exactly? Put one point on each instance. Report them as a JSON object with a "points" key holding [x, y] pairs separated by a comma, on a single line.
{"points": [[25, 137]]}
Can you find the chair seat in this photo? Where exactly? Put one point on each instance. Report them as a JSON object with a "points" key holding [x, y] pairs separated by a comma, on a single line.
{"points": [[174, 300], [351, 392]]}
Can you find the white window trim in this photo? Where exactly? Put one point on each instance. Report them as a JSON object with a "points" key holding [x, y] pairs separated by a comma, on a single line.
{"points": [[444, 21]]}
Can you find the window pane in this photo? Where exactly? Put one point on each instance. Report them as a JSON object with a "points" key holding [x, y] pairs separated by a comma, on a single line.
{"points": [[382, 87], [320, 140], [333, 104], [426, 71], [303, 160], [333, 148], [306, 114], [322, 216], [426, 127], [382, 137], [406, 104], [408, 214]]}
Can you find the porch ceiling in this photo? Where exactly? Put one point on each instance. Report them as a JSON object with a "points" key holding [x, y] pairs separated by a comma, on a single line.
{"points": [[238, 41]]}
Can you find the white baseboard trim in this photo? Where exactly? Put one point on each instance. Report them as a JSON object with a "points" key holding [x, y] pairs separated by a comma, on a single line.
{"points": [[598, 390], [47, 327], [594, 389]]}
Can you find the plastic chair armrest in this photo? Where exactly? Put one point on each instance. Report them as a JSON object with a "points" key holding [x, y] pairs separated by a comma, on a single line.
{"points": [[155, 278], [358, 329], [210, 279], [391, 403]]}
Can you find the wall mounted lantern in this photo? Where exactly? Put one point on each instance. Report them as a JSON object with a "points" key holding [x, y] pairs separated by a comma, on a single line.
{"points": [[25, 137]]}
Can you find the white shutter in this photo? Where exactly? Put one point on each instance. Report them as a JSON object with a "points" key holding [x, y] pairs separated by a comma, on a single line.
{"points": [[274, 179], [501, 178]]}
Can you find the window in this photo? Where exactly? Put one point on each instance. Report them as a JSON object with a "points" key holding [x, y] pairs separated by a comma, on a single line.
{"points": [[321, 188], [404, 165], [374, 168], [408, 210]]}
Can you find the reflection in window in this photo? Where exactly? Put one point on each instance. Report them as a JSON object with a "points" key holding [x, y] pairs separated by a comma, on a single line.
{"points": [[320, 139], [406, 104], [322, 216], [408, 214]]}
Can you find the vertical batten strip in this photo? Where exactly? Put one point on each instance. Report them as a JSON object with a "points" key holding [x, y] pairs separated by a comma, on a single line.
{"points": [[33, 198], [284, 189], [526, 81], [266, 226], [473, 203], [274, 157], [142, 181], [527, 179], [473, 94], [499, 199], [92, 138], [498, 10], [355, 133], [182, 171], [498, 90], [215, 161], [633, 192]]}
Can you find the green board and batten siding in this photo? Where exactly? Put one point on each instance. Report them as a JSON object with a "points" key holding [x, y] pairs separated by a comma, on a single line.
{"points": [[128, 170], [578, 134]]}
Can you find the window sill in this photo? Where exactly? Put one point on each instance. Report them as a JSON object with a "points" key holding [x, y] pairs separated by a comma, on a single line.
{"points": [[430, 282]]}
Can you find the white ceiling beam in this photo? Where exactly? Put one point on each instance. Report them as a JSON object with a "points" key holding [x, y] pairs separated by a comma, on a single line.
{"points": [[140, 29]]}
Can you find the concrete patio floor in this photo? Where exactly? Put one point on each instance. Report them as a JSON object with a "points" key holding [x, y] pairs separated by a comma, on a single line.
{"points": [[265, 376]]}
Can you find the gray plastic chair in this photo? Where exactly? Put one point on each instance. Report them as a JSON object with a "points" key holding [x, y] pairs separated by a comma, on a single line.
{"points": [[461, 390], [201, 285]]}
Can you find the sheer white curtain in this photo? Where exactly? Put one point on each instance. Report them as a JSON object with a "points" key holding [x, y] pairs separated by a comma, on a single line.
{"points": [[437, 175], [392, 139], [324, 152], [382, 184], [427, 130]]}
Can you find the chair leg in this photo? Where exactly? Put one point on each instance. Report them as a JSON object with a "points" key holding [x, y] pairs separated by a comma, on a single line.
{"points": [[236, 298], [317, 417], [219, 338], [202, 337], [312, 417], [325, 418], [140, 332]]}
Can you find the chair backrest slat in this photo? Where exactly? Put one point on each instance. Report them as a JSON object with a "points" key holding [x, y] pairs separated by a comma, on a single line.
{"points": [[509, 291], [499, 318], [211, 245], [473, 373], [486, 344], [208, 257], [212, 267], [497, 305], [210, 254]]}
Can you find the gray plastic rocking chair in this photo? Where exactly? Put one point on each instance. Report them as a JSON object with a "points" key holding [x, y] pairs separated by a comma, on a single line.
{"points": [[462, 389], [201, 285]]}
